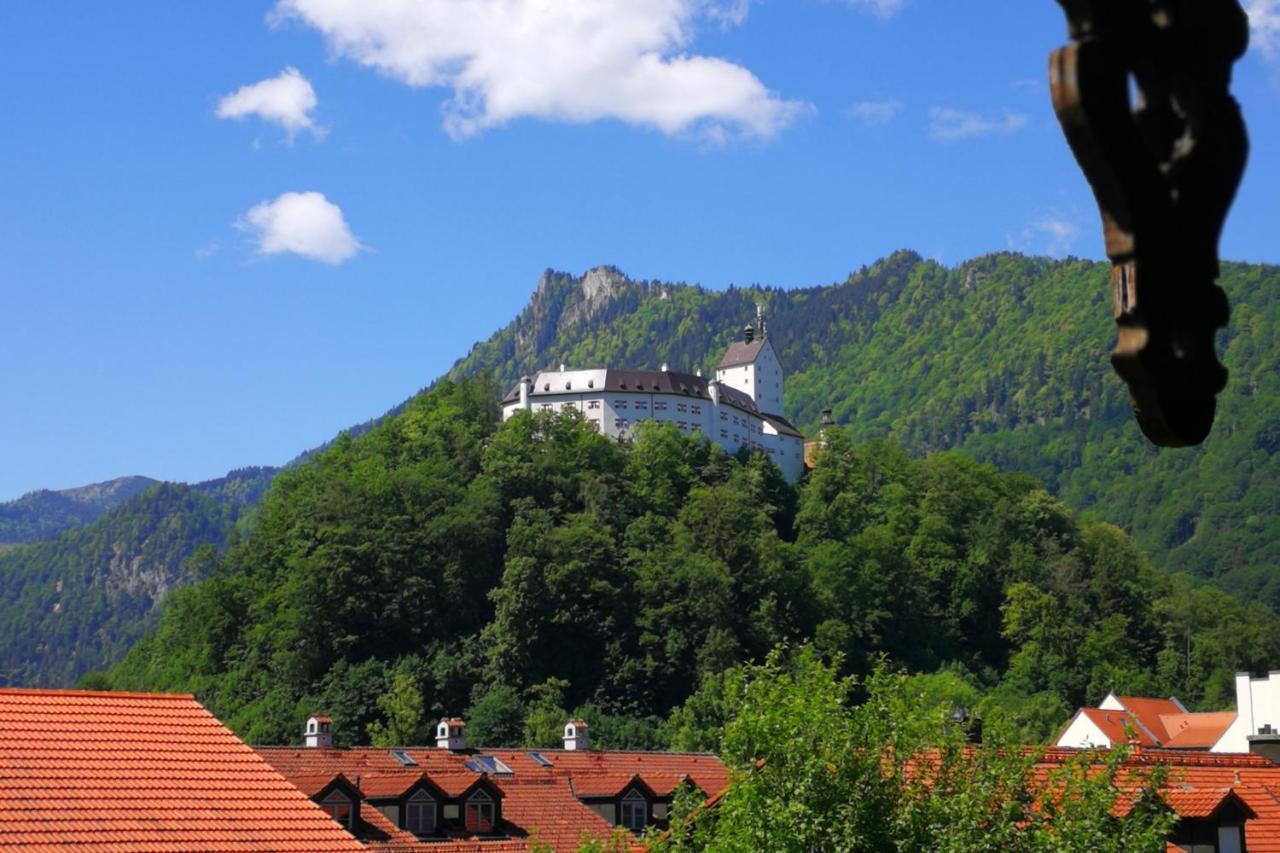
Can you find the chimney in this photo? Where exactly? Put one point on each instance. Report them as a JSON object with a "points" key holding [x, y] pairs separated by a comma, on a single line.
{"points": [[1266, 743], [664, 367], [713, 390], [318, 733], [575, 735], [526, 385], [562, 367], [449, 734]]}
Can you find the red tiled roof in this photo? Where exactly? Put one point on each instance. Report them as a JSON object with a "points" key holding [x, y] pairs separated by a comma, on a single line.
{"points": [[144, 773], [1200, 781], [1196, 731], [1148, 711], [540, 801], [1113, 723]]}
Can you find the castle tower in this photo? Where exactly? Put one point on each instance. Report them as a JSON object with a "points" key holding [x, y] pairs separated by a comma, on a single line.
{"points": [[751, 366]]}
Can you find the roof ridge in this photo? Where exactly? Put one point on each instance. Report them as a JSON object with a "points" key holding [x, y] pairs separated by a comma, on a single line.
{"points": [[105, 694]]}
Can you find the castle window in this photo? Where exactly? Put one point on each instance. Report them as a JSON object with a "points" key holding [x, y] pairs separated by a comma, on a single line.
{"points": [[697, 410], [593, 404], [544, 406], [724, 433], [619, 404], [660, 405], [481, 813], [566, 405], [635, 811], [420, 814], [723, 416], [620, 423], [682, 407], [642, 406], [338, 806], [595, 424]]}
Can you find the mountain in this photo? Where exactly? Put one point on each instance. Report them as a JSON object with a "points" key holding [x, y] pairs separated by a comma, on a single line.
{"points": [[75, 602], [45, 513], [1003, 358], [519, 572]]}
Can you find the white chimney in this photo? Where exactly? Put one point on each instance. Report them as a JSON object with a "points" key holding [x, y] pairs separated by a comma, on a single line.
{"points": [[664, 367], [449, 734], [562, 367], [713, 389], [575, 735], [318, 732]]}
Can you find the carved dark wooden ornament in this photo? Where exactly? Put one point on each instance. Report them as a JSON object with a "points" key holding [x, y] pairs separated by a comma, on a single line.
{"points": [[1142, 94]]}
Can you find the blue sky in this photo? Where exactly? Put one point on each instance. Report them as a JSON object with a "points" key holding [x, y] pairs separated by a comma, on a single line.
{"points": [[228, 230]]}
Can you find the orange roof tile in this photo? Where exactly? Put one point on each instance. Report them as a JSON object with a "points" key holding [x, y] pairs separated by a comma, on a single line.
{"points": [[147, 773], [538, 800], [1147, 712], [1196, 731], [1113, 724]]}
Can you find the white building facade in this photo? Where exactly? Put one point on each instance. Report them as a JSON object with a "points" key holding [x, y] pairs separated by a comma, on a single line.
{"points": [[742, 407]]}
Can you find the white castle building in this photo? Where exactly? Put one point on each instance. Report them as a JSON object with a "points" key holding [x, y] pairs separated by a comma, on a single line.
{"points": [[741, 407]]}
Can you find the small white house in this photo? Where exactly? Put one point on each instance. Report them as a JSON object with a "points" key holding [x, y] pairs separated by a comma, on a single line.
{"points": [[318, 733]]}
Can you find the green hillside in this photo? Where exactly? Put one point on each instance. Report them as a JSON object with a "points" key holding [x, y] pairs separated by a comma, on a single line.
{"points": [[1003, 358], [46, 513], [76, 602], [443, 563]]}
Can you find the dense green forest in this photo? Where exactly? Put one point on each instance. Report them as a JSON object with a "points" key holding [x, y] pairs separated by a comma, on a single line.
{"points": [[45, 513], [76, 602], [1003, 358], [443, 563]]}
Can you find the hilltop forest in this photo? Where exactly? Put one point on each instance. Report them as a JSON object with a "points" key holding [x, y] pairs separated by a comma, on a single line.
{"points": [[445, 563], [1003, 358]]}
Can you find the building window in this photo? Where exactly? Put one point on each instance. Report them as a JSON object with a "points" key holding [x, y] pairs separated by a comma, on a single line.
{"points": [[682, 407], [635, 811], [724, 433], [620, 423], [595, 424], [420, 814], [619, 404], [481, 813], [337, 805], [723, 416], [659, 405], [544, 405], [566, 406], [697, 410], [593, 404], [642, 406]]}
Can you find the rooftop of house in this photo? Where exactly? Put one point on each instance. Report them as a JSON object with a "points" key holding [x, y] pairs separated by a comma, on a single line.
{"points": [[89, 771], [1156, 722], [543, 793], [741, 352]]}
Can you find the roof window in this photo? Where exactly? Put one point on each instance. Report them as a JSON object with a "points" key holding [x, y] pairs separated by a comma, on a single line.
{"points": [[403, 757], [481, 813], [635, 811], [490, 764], [338, 806]]}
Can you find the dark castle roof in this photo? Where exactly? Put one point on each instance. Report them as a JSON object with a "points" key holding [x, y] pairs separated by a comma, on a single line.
{"points": [[741, 352]]}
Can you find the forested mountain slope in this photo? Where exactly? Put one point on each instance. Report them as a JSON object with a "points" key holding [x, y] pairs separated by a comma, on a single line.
{"points": [[45, 513], [1003, 358], [515, 572], [76, 602]]}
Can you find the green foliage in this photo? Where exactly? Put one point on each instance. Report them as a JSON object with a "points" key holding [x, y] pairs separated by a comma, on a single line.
{"points": [[816, 772], [76, 602], [44, 514], [403, 720], [1003, 358], [443, 561], [497, 718]]}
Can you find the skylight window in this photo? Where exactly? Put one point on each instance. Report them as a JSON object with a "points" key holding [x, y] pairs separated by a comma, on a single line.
{"points": [[540, 759], [403, 757], [489, 764]]}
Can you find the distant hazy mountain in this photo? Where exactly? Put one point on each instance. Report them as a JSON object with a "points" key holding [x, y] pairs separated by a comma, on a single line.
{"points": [[76, 602], [45, 513]]}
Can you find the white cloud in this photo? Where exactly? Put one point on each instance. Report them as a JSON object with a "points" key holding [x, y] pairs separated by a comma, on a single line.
{"points": [[1052, 235], [879, 8], [1264, 23], [561, 60], [948, 125], [305, 224], [286, 100], [876, 112]]}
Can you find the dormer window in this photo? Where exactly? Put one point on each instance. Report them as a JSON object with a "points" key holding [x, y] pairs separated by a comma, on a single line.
{"points": [[420, 814], [635, 811], [481, 813], [338, 806]]}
